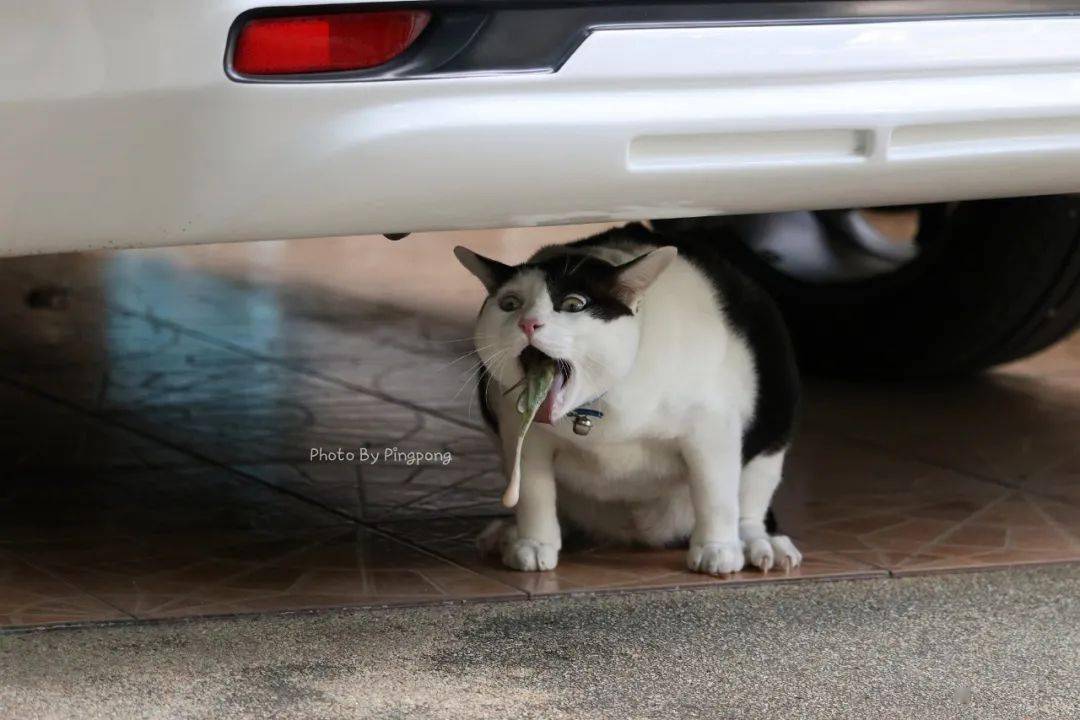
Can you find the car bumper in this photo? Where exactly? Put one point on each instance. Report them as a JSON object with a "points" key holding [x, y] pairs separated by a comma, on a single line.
{"points": [[128, 131]]}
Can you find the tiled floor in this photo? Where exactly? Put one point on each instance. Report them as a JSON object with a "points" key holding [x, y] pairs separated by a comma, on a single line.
{"points": [[160, 409]]}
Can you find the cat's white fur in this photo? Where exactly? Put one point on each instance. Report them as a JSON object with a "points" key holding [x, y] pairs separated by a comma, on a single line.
{"points": [[677, 387]]}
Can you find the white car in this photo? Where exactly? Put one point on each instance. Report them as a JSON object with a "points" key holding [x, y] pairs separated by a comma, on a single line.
{"points": [[163, 122]]}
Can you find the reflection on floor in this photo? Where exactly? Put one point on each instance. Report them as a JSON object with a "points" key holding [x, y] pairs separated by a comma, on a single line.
{"points": [[161, 408]]}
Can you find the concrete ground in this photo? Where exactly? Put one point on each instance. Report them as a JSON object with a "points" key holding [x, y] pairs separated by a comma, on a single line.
{"points": [[989, 645]]}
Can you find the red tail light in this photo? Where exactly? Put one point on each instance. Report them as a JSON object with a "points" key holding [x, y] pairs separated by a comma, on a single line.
{"points": [[325, 43]]}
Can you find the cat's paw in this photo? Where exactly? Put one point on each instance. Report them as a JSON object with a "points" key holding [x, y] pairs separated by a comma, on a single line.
{"points": [[715, 558], [788, 556], [775, 551], [529, 555]]}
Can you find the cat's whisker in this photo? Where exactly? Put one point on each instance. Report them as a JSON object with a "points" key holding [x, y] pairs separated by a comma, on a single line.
{"points": [[471, 368], [467, 383], [480, 361], [476, 361], [473, 397], [498, 359], [501, 364], [579, 264], [473, 375], [448, 341], [474, 351], [451, 340]]}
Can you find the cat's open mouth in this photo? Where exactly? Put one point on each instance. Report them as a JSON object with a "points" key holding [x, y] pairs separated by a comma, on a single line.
{"points": [[554, 401]]}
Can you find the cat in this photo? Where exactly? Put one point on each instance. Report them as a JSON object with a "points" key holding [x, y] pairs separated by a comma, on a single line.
{"points": [[692, 369]]}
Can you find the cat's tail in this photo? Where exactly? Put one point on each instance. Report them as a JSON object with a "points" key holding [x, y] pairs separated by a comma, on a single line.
{"points": [[490, 540]]}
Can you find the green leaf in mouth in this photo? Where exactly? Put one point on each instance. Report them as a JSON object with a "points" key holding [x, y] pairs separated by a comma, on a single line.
{"points": [[539, 377]]}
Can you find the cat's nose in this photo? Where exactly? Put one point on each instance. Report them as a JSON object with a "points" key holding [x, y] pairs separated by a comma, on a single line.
{"points": [[530, 326]]}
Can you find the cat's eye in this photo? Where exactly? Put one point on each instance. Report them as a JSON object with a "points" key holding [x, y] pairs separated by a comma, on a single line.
{"points": [[509, 303], [573, 303]]}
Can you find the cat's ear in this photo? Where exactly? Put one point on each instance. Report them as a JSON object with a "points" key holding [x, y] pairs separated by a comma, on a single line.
{"points": [[634, 278], [490, 272]]}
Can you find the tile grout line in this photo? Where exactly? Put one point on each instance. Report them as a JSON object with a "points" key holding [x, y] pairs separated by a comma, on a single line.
{"points": [[135, 430], [958, 526], [64, 581], [1014, 485], [257, 566], [1052, 521], [431, 553], [368, 525], [972, 475], [938, 464], [441, 490], [295, 366]]}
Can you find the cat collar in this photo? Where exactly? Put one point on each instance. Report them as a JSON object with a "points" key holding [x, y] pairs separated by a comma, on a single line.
{"points": [[583, 419]]}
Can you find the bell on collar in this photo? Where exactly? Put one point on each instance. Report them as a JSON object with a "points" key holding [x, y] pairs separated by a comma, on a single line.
{"points": [[582, 425]]}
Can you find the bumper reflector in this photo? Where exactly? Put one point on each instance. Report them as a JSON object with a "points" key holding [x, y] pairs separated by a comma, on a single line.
{"points": [[332, 42]]}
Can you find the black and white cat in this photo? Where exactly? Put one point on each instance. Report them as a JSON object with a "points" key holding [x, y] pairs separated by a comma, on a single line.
{"points": [[691, 366]]}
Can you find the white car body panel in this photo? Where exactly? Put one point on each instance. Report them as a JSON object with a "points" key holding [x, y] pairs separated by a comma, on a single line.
{"points": [[120, 128]]}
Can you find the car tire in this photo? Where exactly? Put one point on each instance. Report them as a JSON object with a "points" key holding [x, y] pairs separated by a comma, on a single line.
{"points": [[993, 281]]}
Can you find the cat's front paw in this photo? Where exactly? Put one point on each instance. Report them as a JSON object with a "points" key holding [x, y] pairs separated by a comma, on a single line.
{"points": [[529, 555], [775, 550], [715, 558]]}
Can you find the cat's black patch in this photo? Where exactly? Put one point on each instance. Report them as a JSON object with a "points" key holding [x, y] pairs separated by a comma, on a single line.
{"points": [[771, 525], [567, 274], [498, 273], [584, 275], [751, 313]]}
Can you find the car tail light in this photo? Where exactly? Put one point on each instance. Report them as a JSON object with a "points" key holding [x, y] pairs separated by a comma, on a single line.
{"points": [[332, 42]]}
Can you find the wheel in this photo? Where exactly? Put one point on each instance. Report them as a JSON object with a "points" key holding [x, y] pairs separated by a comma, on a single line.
{"points": [[926, 291]]}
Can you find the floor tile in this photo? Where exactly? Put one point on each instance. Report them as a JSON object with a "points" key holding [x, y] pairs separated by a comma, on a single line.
{"points": [[302, 569], [1060, 482], [1019, 528], [37, 433], [263, 412], [908, 516], [467, 485], [996, 428], [445, 382], [79, 509], [204, 540], [597, 568], [29, 596]]}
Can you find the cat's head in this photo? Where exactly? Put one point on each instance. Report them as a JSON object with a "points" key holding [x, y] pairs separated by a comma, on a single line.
{"points": [[575, 308]]}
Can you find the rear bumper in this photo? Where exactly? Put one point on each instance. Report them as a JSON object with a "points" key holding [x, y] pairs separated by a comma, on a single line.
{"points": [[100, 151]]}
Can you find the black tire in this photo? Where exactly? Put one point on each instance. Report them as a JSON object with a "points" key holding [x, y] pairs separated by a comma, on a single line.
{"points": [[994, 281]]}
